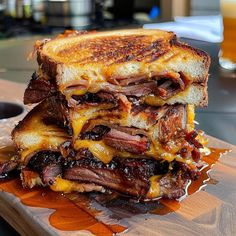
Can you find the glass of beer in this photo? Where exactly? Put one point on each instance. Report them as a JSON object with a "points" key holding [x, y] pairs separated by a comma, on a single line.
{"points": [[227, 56]]}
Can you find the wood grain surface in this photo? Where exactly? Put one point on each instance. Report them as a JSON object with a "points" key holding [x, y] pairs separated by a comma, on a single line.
{"points": [[211, 211]]}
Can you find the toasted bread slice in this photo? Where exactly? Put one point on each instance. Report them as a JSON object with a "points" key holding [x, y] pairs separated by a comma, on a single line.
{"points": [[92, 59], [39, 131]]}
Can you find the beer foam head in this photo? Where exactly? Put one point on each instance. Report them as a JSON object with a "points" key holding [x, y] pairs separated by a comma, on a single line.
{"points": [[228, 8]]}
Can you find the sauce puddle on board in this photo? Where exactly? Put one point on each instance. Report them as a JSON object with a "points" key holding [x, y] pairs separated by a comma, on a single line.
{"points": [[74, 212], [168, 205]]}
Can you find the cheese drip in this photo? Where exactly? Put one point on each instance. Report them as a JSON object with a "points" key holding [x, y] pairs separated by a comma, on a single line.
{"points": [[190, 117], [63, 185], [158, 152], [154, 190], [67, 186], [82, 116], [98, 149], [153, 100]]}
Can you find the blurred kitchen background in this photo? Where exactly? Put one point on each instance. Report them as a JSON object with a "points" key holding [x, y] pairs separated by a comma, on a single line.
{"points": [[23, 17]]}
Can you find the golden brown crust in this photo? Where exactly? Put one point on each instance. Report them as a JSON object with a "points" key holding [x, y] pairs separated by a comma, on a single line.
{"points": [[116, 48], [112, 49], [108, 49], [40, 130], [206, 57], [45, 110], [198, 51], [48, 65], [23, 124]]}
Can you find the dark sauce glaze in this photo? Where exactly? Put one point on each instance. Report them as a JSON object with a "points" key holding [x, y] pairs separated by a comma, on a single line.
{"points": [[77, 212]]}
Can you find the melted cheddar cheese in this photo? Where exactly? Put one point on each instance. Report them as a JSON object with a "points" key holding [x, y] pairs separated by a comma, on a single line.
{"points": [[190, 117], [63, 185], [66, 186], [105, 153], [77, 125], [154, 190], [158, 152], [80, 117], [98, 149], [37, 141], [153, 100]]}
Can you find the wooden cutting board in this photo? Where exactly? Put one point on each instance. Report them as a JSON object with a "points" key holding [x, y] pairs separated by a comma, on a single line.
{"points": [[211, 211]]}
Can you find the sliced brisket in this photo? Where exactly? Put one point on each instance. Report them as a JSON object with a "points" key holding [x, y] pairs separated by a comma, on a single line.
{"points": [[167, 88], [172, 123], [128, 176], [139, 89], [38, 89], [162, 87], [96, 98], [47, 164], [96, 133], [126, 142], [173, 186]]}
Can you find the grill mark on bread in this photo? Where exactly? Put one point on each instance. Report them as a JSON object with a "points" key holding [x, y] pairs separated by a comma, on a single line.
{"points": [[112, 50]]}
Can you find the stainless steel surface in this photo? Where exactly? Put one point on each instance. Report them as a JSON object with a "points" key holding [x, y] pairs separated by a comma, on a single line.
{"points": [[69, 8], [70, 21], [73, 13], [37, 8], [218, 119]]}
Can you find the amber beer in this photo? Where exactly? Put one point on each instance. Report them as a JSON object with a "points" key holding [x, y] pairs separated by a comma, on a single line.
{"points": [[228, 46]]}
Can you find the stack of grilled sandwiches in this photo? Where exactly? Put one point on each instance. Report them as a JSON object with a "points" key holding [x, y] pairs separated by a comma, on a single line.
{"points": [[114, 113]]}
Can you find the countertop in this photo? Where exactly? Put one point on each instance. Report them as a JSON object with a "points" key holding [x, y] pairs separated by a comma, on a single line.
{"points": [[218, 119]]}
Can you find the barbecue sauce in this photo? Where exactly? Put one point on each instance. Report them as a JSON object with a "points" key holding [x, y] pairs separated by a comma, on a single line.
{"points": [[73, 211], [168, 205], [67, 214]]}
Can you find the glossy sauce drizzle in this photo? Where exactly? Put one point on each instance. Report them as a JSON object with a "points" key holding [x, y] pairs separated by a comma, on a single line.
{"points": [[74, 212], [168, 205]]}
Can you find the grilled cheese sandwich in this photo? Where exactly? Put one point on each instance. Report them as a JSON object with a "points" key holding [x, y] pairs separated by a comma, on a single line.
{"points": [[115, 113]]}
